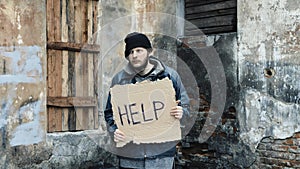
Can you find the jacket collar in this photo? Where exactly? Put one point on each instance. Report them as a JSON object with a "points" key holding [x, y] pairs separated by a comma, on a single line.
{"points": [[159, 67]]}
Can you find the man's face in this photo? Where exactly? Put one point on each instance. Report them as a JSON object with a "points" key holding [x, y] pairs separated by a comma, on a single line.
{"points": [[138, 58]]}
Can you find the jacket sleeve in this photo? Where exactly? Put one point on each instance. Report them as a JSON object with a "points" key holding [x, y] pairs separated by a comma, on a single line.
{"points": [[181, 93], [108, 115]]}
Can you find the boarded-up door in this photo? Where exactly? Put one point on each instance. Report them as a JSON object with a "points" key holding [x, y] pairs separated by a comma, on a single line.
{"points": [[71, 72]]}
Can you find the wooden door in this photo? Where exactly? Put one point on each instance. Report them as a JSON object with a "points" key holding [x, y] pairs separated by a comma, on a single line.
{"points": [[72, 78]]}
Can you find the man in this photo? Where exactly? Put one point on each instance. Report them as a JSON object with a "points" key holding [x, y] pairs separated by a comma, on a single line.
{"points": [[141, 66]]}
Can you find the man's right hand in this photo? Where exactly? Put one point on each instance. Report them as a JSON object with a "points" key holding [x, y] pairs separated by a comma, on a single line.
{"points": [[119, 136]]}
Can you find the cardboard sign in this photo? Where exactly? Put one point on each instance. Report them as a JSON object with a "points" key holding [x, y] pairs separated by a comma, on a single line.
{"points": [[142, 112]]}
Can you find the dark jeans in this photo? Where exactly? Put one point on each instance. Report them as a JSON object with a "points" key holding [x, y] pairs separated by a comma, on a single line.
{"points": [[156, 163]]}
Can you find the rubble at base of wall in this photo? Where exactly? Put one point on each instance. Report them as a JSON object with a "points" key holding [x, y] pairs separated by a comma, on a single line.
{"points": [[61, 150]]}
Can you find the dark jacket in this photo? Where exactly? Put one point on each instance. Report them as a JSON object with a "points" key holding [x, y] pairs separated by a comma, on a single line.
{"points": [[127, 76]]}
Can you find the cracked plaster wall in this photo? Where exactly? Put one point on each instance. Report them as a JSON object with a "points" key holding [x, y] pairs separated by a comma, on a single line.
{"points": [[268, 37], [22, 72]]}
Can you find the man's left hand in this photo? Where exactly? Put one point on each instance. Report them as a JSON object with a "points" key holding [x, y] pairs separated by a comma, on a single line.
{"points": [[177, 111]]}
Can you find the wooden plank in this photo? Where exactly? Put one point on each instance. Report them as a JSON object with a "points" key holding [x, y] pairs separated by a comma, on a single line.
{"points": [[90, 66], [222, 12], [210, 7], [212, 30], [96, 90], [75, 47], [90, 20], [71, 63], [88, 118], [71, 102], [78, 64], [96, 62], [191, 3], [95, 19], [213, 22], [64, 38], [54, 64], [54, 124]]}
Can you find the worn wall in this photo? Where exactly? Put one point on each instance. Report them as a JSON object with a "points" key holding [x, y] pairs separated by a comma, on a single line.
{"points": [[268, 56], [260, 124], [22, 76], [23, 68], [268, 73], [22, 72]]}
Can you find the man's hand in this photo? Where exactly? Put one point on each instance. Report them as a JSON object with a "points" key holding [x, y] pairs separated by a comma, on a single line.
{"points": [[177, 111], [119, 136]]}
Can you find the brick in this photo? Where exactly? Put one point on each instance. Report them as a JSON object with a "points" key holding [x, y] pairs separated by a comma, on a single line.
{"points": [[289, 156], [268, 146], [267, 140], [269, 161], [297, 135], [295, 163], [275, 154], [279, 141], [277, 162], [276, 167], [266, 153], [281, 148], [289, 141], [235, 129], [261, 146], [265, 166], [294, 149]]}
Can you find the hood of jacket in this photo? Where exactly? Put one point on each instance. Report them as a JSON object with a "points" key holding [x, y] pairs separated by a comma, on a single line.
{"points": [[159, 67]]}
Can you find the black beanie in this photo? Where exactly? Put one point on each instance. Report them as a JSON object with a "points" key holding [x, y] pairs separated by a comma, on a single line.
{"points": [[134, 40]]}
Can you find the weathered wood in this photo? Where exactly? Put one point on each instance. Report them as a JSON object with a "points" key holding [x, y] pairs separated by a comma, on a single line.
{"points": [[64, 38], [75, 47], [71, 61], [212, 30], [90, 67], [211, 7], [54, 64], [213, 22], [54, 122], [95, 62], [211, 16], [70, 102], [70, 28], [189, 3], [79, 27], [221, 12]]}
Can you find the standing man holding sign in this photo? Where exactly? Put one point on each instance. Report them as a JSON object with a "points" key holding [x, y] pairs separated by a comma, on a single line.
{"points": [[141, 66]]}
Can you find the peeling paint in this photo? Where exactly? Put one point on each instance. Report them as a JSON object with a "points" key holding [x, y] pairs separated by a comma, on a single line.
{"points": [[266, 116], [28, 132], [23, 64], [268, 40]]}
